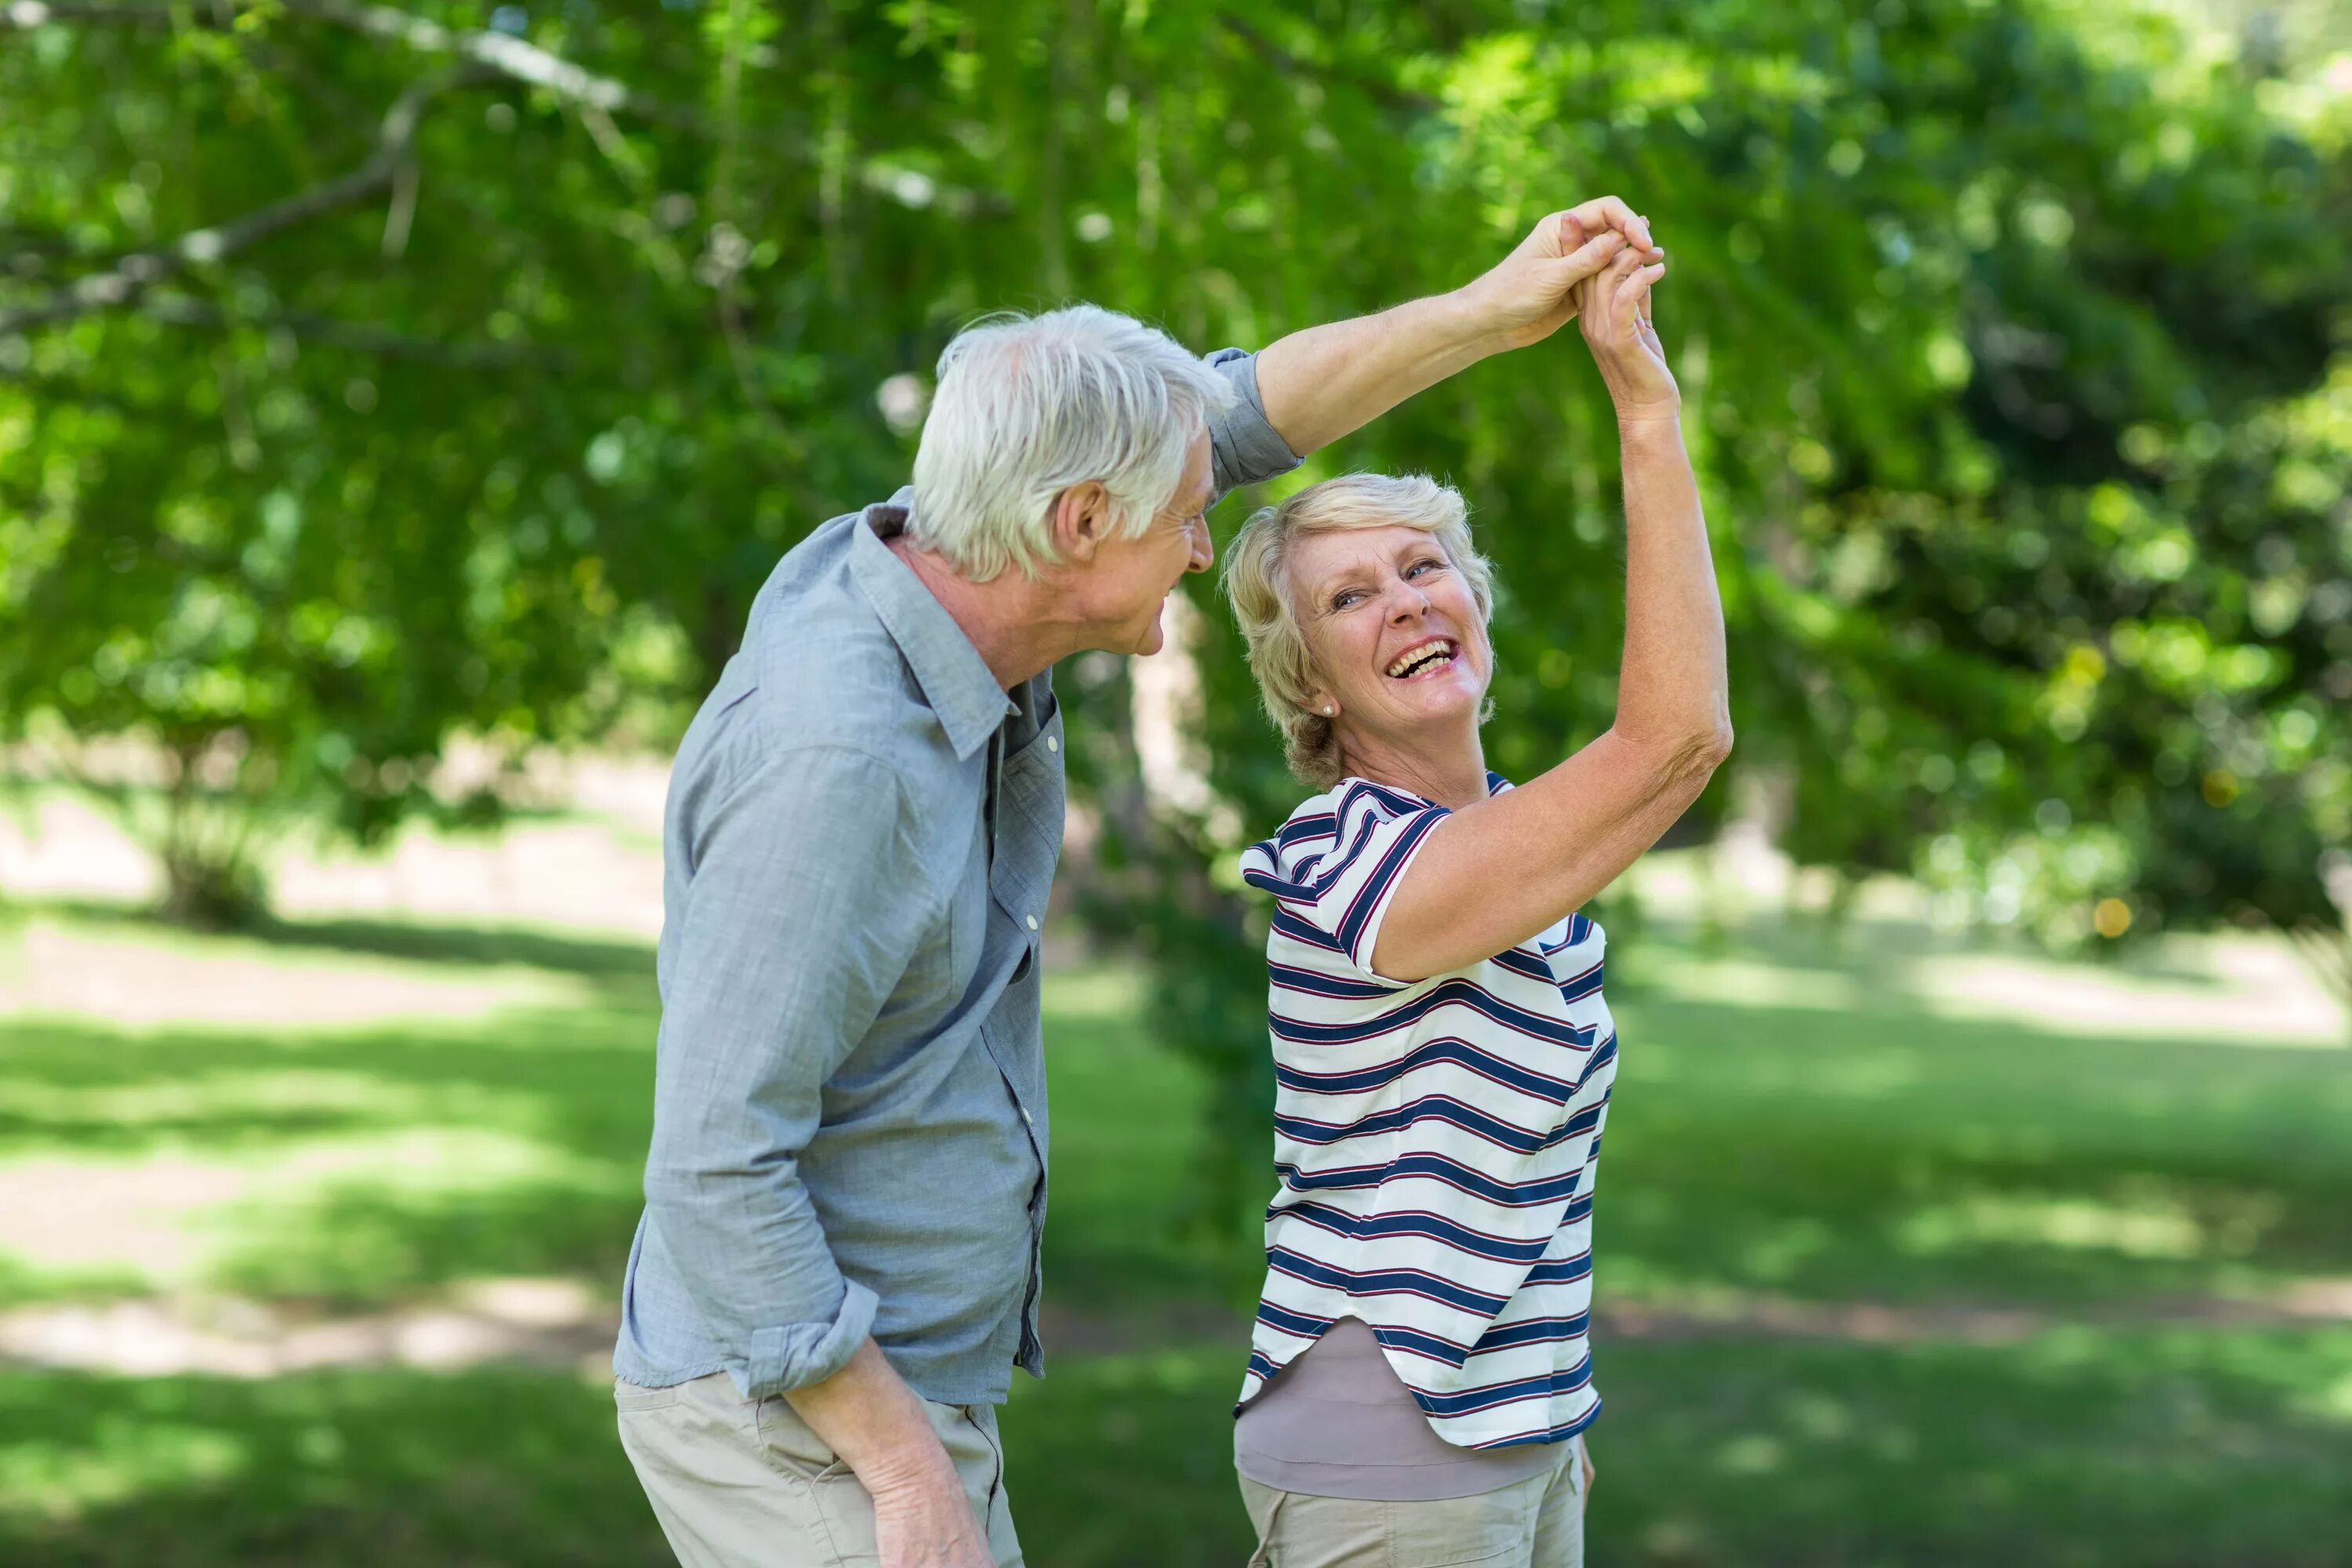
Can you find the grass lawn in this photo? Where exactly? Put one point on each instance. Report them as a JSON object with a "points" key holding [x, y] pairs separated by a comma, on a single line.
{"points": [[2067, 1228]]}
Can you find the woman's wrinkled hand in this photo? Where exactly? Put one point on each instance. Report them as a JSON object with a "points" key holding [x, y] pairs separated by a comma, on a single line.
{"points": [[1613, 308]]}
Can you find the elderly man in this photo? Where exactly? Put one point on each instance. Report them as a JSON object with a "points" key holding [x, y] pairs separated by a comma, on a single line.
{"points": [[838, 1263]]}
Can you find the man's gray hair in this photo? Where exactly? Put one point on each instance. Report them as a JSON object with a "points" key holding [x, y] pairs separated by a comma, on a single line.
{"points": [[1028, 407]]}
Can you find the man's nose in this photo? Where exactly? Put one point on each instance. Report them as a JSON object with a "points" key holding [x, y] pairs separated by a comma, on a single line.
{"points": [[1204, 547]]}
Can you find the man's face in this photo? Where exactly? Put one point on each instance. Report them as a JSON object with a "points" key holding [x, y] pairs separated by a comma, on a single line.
{"points": [[1123, 588]]}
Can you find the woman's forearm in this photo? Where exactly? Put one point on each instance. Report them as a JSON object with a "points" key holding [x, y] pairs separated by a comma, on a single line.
{"points": [[1503, 869], [1672, 690]]}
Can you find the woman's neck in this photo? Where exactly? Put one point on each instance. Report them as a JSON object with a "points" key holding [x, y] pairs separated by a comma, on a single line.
{"points": [[1451, 773]]}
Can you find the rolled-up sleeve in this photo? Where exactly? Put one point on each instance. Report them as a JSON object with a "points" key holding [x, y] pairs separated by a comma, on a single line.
{"points": [[1245, 445], [801, 911]]}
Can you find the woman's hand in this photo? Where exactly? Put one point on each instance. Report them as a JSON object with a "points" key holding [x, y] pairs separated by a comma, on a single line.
{"points": [[1612, 308], [1529, 294]]}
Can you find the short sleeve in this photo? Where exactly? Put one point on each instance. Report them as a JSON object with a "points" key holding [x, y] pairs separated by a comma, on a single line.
{"points": [[1333, 899], [1244, 447]]}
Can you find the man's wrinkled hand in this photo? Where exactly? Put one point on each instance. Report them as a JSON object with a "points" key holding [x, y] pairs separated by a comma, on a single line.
{"points": [[928, 1522], [1531, 294]]}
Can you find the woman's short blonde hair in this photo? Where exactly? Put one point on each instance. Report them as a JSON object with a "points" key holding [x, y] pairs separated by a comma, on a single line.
{"points": [[1257, 581]]}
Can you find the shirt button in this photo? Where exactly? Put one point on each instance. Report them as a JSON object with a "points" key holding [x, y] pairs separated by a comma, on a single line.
{"points": [[1052, 745], [1032, 920], [1025, 1120]]}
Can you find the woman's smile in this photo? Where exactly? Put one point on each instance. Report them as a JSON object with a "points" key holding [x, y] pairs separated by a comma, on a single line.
{"points": [[1425, 659]]}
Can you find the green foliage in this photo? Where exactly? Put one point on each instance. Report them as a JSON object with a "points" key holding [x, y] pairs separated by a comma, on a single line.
{"points": [[366, 381]]}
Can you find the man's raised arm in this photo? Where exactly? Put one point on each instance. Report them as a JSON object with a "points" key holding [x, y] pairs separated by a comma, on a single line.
{"points": [[1318, 384]]}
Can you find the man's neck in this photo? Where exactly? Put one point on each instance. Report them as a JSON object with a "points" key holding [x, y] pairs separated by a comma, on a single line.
{"points": [[1009, 619]]}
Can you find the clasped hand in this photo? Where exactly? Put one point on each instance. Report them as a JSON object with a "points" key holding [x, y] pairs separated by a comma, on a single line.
{"points": [[1594, 263]]}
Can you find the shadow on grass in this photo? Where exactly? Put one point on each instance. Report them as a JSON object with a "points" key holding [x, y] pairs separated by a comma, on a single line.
{"points": [[2130, 1450], [622, 961], [2093, 1450], [364, 1469], [2140, 1451], [1837, 1155], [386, 1162]]}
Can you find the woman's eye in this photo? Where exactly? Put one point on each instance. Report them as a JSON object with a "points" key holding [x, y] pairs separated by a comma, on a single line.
{"points": [[1420, 566], [1345, 599]]}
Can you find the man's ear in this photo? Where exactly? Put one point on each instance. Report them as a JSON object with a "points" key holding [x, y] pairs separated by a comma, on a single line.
{"points": [[1081, 521]]}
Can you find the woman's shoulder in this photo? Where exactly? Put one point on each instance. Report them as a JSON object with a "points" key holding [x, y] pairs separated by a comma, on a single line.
{"points": [[1343, 809]]}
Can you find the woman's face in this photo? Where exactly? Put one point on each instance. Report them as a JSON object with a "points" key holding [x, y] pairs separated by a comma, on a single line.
{"points": [[1396, 638]]}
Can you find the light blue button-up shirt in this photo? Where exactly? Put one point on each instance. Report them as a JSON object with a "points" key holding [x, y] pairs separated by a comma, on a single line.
{"points": [[849, 1096]]}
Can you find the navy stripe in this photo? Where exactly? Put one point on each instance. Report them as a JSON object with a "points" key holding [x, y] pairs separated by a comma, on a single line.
{"points": [[1310, 983], [1395, 800], [1593, 1064], [1432, 1347], [1519, 961], [1368, 897], [1578, 987], [1303, 1324], [1418, 1222], [1297, 929], [1546, 1434], [1296, 888], [1453, 1172], [1322, 823], [1450, 1049], [1384, 1281], [1456, 992], [1472, 1400], [1439, 1108], [1532, 1331], [1563, 1271]]}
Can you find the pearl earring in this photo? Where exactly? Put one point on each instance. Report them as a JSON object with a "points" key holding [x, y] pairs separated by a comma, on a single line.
{"points": [[1329, 711]]}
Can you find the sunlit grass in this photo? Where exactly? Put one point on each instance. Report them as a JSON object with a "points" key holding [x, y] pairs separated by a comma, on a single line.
{"points": [[1794, 1120]]}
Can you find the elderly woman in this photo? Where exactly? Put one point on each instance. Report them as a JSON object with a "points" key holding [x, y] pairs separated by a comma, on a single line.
{"points": [[1419, 1379]]}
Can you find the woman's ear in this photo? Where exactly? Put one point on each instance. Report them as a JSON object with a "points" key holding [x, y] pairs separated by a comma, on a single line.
{"points": [[1081, 521]]}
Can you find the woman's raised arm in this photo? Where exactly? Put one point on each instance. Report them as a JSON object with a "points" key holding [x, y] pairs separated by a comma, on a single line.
{"points": [[1498, 872]]}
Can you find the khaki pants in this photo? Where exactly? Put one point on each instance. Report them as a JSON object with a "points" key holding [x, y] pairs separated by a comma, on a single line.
{"points": [[743, 1483], [1535, 1523]]}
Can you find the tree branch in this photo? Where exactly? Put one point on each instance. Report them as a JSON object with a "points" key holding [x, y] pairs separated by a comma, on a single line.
{"points": [[1388, 95], [179, 311], [508, 55], [141, 271]]}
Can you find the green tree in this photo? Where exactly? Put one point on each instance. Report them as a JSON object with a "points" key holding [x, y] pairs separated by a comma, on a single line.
{"points": [[371, 376]]}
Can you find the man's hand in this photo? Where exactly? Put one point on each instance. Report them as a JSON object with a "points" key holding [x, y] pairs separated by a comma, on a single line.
{"points": [[921, 1516], [1531, 294], [1320, 384], [928, 1523]]}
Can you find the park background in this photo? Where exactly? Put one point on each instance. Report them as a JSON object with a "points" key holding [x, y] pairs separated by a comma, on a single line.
{"points": [[400, 407]]}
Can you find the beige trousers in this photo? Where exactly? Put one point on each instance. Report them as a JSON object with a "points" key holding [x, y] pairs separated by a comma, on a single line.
{"points": [[1535, 1523], [743, 1483]]}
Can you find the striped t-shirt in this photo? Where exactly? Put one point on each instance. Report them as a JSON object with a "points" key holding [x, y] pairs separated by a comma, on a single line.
{"points": [[1436, 1141]]}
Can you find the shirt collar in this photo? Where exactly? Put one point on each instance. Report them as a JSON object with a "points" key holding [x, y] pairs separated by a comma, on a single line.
{"points": [[955, 679]]}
